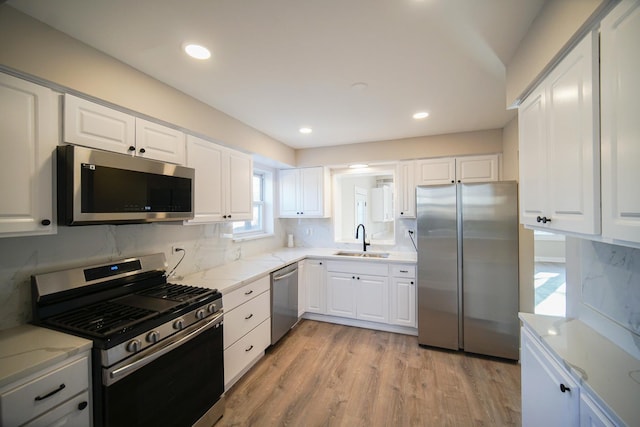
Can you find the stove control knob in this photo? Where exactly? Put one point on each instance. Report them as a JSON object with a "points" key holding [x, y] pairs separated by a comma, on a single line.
{"points": [[153, 337], [200, 314], [211, 308], [178, 324], [134, 346]]}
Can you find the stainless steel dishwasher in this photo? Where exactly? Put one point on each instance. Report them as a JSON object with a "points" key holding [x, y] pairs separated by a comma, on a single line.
{"points": [[284, 301]]}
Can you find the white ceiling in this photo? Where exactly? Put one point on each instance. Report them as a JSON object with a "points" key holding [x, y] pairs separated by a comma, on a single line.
{"points": [[278, 65]]}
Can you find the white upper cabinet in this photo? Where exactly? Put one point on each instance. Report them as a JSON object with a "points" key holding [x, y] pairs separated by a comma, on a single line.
{"points": [[304, 192], [96, 126], [559, 146], [435, 171], [223, 182], [478, 168], [159, 142], [620, 81], [406, 190], [29, 133]]}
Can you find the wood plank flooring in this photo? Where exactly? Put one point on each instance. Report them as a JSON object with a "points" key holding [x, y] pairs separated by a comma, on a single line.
{"points": [[322, 374]]}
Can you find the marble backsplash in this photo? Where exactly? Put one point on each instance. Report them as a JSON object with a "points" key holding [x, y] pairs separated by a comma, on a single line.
{"points": [[611, 282], [206, 246]]}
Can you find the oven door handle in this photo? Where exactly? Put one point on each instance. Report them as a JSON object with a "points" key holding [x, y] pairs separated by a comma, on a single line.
{"points": [[119, 373]]}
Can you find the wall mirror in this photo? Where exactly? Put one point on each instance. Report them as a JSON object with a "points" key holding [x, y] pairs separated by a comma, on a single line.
{"points": [[364, 196]]}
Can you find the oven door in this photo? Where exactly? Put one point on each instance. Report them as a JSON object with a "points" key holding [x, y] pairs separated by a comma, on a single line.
{"points": [[174, 385]]}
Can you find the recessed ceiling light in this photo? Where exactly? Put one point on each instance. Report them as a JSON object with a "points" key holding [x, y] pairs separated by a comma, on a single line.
{"points": [[306, 130], [358, 166], [420, 115], [197, 51], [359, 86]]}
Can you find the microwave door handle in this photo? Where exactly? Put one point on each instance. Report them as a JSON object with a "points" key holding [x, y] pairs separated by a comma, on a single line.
{"points": [[119, 373]]}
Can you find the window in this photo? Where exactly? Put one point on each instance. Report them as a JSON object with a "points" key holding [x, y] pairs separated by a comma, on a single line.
{"points": [[262, 223]]}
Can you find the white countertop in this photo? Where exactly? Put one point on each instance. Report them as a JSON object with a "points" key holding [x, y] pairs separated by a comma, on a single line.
{"points": [[26, 349], [231, 276], [609, 372]]}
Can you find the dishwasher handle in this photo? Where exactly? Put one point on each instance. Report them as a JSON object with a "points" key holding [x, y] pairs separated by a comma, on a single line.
{"points": [[284, 276]]}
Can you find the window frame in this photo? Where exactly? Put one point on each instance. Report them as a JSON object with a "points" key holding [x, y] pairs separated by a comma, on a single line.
{"points": [[265, 205]]}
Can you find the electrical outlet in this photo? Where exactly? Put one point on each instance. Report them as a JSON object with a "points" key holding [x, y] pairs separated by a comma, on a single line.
{"points": [[174, 249]]}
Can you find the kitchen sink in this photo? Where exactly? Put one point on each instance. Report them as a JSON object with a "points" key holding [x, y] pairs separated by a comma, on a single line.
{"points": [[363, 254]]}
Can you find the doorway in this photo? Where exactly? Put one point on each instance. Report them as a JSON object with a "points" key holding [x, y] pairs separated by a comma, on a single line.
{"points": [[550, 274]]}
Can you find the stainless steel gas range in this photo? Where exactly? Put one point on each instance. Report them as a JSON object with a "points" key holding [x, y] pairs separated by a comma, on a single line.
{"points": [[157, 357]]}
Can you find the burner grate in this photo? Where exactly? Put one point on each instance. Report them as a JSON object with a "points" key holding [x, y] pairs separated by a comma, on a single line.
{"points": [[102, 319], [173, 292]]}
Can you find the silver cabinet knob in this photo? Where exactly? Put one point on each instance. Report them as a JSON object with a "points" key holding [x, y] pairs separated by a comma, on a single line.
{"points": [[134, 346]]}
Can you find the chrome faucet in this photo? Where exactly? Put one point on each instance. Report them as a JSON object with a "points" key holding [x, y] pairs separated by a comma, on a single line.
{"points": [[364, 244]]}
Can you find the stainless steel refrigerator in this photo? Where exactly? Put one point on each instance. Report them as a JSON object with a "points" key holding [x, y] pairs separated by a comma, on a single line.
{"points": [[468, 267]]}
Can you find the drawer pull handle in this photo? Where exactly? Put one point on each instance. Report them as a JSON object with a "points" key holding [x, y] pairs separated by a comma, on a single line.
{"points": [[249, 349], [82, 405], [249, 292], [59, 389], [564, 388], [249, 317], [404, 271]]}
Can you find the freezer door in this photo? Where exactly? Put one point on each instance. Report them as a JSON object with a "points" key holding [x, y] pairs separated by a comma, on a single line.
{"points": [[489, 213], [437, 266]]}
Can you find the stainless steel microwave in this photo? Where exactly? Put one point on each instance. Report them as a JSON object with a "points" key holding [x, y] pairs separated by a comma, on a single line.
{"points": [[99, 187]]}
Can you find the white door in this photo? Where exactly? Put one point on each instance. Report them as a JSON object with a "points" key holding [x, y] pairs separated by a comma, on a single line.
{"points": [[620, 65], [92, 125], [341, 294], [533, 157], [29, 134], [573, 156], [402, 297], [240, 195], [158, 142], [372, 298], [315, 286], [289, 192], [206, 158]]}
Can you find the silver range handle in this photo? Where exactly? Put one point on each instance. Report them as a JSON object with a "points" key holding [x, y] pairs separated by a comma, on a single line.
{"points": [[116, 373], [284, 276]]}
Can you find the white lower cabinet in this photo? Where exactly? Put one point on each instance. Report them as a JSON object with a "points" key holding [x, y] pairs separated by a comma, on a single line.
{"points": [[314, 283], [402, 295], [247, 328], [591, 415], [341, 294], [58, 395], [550, 397]]}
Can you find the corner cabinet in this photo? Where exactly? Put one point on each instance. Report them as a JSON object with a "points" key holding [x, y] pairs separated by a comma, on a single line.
{"points": [[96, 126], [560, 146], [223, 188], [29, 132], [314, 284], [304, 192], [620, 68]]}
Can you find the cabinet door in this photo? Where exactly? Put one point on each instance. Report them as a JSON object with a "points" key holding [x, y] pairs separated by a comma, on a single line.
{"points": [[96, 126], [573, 155], [543, 402], [29, 133], [591, 415], [157, 142], [302, 287], [239, 196], [435, 171], [206, 158], [289, 192], [372, 298], [478, 168], [533, 157], [406, 190], [620, 68], [402, 297], [312, 191], [314, 277], [341, 294]]}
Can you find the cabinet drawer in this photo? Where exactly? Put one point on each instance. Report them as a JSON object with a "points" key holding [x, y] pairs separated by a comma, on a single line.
{"points": [[245, 317], [33, 398], [370, 268], [402, 270], [245, 350], [245, 293], [74, 413]]}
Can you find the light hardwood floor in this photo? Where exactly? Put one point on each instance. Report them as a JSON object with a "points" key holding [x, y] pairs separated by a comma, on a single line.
{"points": [[322, 374]]}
